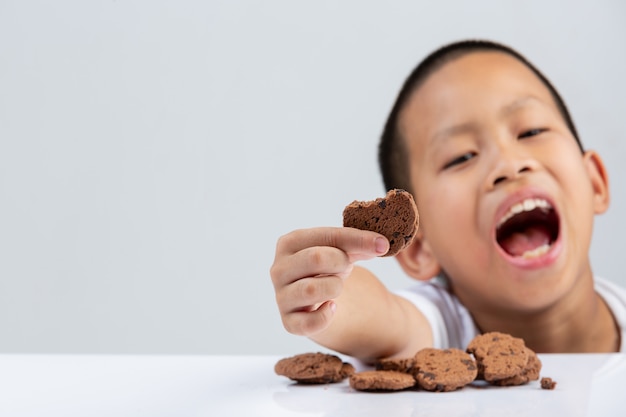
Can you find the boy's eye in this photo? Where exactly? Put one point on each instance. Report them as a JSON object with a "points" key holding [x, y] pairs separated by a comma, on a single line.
{"points": [[460, 159], [531, 132]]}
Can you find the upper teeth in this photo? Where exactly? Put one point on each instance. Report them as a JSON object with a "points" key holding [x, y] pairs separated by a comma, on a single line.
{"points": [[525, 205]]}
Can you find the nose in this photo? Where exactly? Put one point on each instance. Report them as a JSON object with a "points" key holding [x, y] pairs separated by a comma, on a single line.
{"points": [[510, 162], [506, 177]]}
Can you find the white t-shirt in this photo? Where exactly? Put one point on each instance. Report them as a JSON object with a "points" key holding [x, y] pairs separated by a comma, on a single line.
{"points": [[453, 326]]}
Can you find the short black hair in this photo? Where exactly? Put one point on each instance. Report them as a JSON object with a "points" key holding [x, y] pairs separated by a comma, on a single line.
{"points": [[393, 156]]}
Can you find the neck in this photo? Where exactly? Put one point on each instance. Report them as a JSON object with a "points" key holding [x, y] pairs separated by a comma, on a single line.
{"points": [[582, 323]]}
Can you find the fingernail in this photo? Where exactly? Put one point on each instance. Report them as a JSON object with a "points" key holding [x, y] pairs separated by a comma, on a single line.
{"points": [[381, 245]]}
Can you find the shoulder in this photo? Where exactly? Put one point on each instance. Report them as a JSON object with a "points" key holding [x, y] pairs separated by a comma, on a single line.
{"points": [[615, 298], [611, 292]]}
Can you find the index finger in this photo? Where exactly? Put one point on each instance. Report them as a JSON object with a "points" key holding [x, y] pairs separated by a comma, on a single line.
{"points": [[357, 244]]}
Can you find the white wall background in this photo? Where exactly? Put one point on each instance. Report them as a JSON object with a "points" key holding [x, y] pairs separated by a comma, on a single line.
{"points": [[152, 152]]}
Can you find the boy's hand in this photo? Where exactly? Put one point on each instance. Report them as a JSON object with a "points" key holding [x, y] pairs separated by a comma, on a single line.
{"points": [[308, 272]]}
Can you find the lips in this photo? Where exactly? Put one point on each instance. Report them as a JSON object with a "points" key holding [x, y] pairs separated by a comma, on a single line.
{"points": [[528, 228]]}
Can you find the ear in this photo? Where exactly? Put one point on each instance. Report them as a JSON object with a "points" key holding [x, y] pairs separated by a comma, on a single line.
{"points": [[599, 181], [418, 261]]}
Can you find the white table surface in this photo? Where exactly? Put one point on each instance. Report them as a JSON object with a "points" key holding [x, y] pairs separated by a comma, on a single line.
{"points": [[128, 385]]}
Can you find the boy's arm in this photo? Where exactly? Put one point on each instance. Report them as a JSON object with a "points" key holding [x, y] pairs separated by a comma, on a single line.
{"points": [[371, 323], [320, 294]]}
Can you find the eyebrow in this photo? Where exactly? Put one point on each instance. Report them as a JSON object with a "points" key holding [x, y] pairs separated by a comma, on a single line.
{"points": [[454, 130], [469, 127], [517, 104]]}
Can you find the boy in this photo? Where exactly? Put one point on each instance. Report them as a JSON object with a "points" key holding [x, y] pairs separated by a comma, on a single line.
{"points": [[506, 198]]}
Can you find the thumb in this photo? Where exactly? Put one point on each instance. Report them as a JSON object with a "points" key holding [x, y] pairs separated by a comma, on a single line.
{"points": [[369, 248]]}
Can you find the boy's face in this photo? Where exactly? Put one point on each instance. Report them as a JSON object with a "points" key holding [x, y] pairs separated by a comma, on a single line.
{"points": [[506, 199]]}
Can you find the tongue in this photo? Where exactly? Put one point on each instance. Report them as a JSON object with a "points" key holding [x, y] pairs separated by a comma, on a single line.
{"points": [[530, 238]]}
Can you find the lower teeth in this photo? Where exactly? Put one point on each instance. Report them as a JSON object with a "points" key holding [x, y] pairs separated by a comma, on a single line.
{"points": [[538, 251]]}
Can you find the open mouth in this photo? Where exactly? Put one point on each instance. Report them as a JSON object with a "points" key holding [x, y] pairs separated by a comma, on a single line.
{"points": [[528, 229]]}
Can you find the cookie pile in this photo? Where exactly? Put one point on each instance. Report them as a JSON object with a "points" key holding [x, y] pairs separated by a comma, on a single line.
{"points": [[432, 369], [497, 358]]}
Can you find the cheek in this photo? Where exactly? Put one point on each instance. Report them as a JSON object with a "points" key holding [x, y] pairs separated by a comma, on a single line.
{"points": [[445, 198], [448, 216], [579, 196], [446, 213], [575, 181], [435, 200]]}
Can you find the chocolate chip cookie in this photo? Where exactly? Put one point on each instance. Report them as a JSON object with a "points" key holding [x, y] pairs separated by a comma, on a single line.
{"points": [[503, 359], [314, 368], [444, 370], [395, 216], [381, 381]]}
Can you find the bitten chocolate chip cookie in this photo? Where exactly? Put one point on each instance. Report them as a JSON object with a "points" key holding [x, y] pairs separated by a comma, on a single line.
{"points": [[381, 381], [395, 216], [314, 368], [444, 370]]}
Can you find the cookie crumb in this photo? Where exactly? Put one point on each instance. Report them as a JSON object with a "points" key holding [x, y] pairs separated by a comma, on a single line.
{"points": [[547, 383]]}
